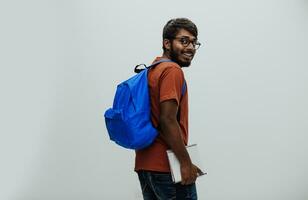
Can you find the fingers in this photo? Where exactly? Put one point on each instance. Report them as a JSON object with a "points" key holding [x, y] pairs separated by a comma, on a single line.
{"points": [[188, 181], [200, 172], [195, 172], [191, 176]]}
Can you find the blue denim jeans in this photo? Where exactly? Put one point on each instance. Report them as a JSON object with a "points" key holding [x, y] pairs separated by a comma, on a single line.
{"points": [[159, 186]]}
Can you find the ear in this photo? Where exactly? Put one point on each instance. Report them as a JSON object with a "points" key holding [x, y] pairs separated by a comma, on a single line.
{"points": [[167, 44]]}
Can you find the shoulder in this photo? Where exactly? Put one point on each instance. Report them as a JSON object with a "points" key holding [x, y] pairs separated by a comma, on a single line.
{"points": [[169, 66], [171, 69], [169, 72], [166, 68]]}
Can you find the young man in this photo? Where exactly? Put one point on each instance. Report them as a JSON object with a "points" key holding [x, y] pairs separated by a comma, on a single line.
{"points": [[169, 105]]}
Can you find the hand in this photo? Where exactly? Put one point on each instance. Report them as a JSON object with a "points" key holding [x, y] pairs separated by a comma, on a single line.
{"points": [[189, 173]]}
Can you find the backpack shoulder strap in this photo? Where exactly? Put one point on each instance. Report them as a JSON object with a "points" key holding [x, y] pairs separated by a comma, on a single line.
{"points": [[136, 70], [184, 87], [160, 61]]}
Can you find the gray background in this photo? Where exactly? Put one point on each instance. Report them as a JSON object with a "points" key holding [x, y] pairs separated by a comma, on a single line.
{"points": [[60, 63]]}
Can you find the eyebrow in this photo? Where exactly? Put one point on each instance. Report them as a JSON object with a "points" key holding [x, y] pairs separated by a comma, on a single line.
{"points": [[184, 36]]}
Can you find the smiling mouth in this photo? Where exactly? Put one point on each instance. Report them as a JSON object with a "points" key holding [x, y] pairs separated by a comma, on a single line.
{"points": [[188, 55]]}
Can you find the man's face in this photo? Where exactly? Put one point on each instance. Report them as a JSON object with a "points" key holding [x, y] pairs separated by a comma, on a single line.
{"points": [[178, 52]]}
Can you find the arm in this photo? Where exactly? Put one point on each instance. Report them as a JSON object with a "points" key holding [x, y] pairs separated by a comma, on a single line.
{"points": [[171, 133]]}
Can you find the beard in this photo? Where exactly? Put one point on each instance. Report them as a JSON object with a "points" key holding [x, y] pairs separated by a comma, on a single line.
{"points": [[176, 57]]}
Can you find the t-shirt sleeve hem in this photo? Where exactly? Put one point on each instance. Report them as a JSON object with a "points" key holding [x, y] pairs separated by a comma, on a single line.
{"points": [[169, 97]]}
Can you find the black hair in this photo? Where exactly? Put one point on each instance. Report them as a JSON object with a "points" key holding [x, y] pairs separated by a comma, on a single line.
{"points": [[173, 26]]}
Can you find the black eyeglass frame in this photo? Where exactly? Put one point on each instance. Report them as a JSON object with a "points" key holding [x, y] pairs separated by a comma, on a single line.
{"points": [[195, 43]]}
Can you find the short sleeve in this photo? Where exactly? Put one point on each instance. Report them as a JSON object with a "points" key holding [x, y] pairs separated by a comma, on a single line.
{"points": [[171, 83]]}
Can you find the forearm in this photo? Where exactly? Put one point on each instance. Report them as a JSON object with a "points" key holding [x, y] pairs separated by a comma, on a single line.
{"points": [[171, 133]]}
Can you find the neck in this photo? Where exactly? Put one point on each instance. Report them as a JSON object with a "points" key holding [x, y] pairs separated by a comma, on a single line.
{"points": [[166, 55]]}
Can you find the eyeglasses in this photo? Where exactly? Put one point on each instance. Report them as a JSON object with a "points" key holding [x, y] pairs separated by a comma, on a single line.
{"points": [[185, 41]]}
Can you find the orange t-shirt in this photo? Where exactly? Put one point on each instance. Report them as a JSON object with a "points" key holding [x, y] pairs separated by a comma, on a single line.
{"points": [[165, 83]]}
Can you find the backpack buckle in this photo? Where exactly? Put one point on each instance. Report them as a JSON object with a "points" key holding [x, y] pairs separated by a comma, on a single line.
{"points": [[136, 70]]}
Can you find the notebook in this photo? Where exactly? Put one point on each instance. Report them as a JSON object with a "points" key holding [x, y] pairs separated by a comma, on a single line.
{"points": [[175, 165]]}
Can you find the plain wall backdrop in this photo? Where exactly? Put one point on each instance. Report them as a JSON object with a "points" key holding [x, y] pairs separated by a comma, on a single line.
{"points": [[248, 86]]}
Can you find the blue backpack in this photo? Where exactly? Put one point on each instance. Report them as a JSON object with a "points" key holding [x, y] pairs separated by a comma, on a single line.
{"points": [[129, 120]]}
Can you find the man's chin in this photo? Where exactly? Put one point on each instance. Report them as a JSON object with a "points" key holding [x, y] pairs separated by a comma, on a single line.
{"points": [[184, 64], [187, 65]]}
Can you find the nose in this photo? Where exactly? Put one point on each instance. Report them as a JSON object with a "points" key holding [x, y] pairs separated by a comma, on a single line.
{"points": [[190, 46]]}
